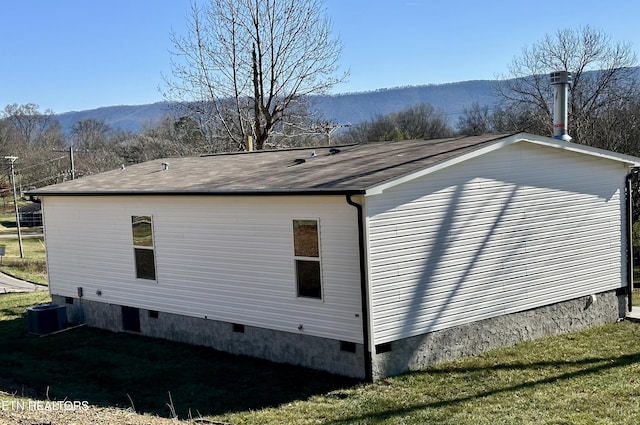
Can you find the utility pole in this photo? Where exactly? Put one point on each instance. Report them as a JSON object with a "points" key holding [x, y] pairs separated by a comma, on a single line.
{"points": [[330, 128], [72, 170], [73, 167], [15, 202]]}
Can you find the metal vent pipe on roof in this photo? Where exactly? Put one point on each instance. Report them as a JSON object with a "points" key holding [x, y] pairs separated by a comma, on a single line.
{"points": [[560, 80]]}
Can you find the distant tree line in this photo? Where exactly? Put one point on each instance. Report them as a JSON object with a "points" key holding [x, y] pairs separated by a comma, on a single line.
{"points": [[42, 147]]}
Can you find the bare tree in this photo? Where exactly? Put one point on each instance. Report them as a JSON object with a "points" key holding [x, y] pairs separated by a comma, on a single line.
{"points": [[618, 129], [28, 121], [32, 136], [475, 120], [89, 133], [516, 118], [245, 63], [91, 140], [8, 136], [421, 121], [603, 77], [38, 163]]}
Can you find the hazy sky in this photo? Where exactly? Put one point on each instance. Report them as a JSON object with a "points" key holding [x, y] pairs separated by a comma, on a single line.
{"points": [[69, 55]]}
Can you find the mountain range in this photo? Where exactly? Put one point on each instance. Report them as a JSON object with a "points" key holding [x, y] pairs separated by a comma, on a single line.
{"points": [[348, 108]]}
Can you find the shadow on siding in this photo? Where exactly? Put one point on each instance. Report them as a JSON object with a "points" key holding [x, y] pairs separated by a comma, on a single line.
{"points": [[443, 246]]}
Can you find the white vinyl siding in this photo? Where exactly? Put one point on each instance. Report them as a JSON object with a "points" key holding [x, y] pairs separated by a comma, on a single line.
{"points": [[518, 228], [224, 258]]}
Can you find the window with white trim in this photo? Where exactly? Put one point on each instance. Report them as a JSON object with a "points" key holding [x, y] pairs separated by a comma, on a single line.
{"points": [[142, 229], [306, 246]]}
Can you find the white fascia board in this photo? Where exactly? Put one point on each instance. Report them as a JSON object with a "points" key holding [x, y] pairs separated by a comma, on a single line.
{"points": [[627, 160]]}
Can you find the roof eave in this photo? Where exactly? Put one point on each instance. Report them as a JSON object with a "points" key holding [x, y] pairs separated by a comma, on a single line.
{"points": [[484, 148], [258, 192], [627, 160]]}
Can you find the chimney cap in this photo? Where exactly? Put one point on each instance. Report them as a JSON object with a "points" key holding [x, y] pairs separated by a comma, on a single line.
{"points": [[560, 77]]}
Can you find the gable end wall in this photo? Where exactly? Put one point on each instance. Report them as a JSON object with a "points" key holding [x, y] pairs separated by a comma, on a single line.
{"points": [[510, 231]]}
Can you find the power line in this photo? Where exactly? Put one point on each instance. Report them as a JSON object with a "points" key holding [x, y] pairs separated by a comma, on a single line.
{"points": [[49, 178], [40, 164]]}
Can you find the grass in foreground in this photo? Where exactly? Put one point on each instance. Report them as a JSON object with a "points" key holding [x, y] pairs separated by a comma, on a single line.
{"points": [[110, 369], [8, 218], [589, 377], [33, 267]]}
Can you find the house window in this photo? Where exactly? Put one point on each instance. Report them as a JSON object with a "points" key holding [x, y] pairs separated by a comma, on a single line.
{"points": [[142, 228], [307, 258]]}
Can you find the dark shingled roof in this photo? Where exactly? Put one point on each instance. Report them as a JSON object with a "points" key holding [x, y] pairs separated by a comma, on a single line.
{"points": [[345, 169]]}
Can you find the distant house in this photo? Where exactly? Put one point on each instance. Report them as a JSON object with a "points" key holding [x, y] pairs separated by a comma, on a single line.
{"points": [[30, 215], [365, 260]]}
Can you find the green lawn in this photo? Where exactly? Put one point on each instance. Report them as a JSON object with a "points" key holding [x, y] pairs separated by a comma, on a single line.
{"points": [[8, 219], [32, 267], [110, 369], [589, 377]]}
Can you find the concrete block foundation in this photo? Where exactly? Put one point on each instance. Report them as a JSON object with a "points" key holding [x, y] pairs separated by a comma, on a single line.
{"points": [[471, 339], [281, 347], [345, 358]]}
